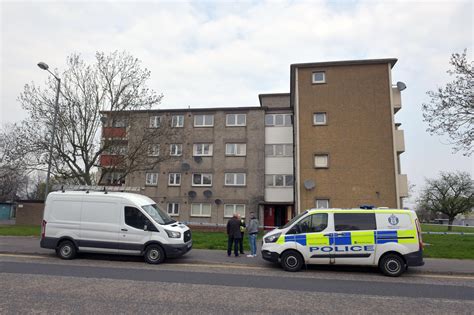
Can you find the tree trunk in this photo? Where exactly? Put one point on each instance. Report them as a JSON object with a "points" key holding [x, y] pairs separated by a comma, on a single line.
{"points": [[450, 222]]}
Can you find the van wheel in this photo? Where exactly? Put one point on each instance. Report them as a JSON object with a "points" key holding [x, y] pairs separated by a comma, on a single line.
{"points": [[292, 261], [66, 250], [392, 265], [154, 254]]}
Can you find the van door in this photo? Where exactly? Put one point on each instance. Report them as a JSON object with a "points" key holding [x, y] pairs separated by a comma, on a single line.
{"points": [[353, 239], [100, 221], [132, 233], [311, 238]]}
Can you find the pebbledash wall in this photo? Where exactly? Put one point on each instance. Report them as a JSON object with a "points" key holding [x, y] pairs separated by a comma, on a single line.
{"points": [[331, 142]]}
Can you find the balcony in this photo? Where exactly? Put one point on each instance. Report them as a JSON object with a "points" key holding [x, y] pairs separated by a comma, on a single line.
{"points": [[396, 99], [107, 160], [114, 133], [399, 141], [402, 185]]}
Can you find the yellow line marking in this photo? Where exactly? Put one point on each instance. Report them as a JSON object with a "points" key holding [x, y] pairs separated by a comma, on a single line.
{"points": [[444, 277], [22, 256]]}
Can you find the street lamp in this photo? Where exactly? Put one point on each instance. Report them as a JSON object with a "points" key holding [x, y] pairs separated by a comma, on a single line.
{"points": [[44, 66]]}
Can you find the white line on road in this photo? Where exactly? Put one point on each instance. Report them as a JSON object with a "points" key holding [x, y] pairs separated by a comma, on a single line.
{"points": [[22, 256]]}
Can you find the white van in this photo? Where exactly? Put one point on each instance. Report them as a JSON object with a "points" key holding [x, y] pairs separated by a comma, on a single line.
{"points": [[112, 223], [389, 239]]}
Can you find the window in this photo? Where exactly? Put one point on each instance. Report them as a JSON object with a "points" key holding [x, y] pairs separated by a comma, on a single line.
{"points": [[173, 208], [236, 119], [201, 209], [319, 119], [135, 218], [312, 224], [202, 149], [203, 120], [278, 120], [321, 160], [154, 150], [114, 178], [354, 221], [117, 150], [235, 179], [119, 122], [237, 149], [177, 121], [230, 209], [176, 149], [278, 150], [151, 179], [322, 203], [319, 77], [201, 179], [174, 179], [155, 121], [279, 180]]}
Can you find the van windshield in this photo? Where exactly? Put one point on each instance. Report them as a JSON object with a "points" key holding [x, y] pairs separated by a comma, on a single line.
{"points": [[293, 220], [157, 214]]}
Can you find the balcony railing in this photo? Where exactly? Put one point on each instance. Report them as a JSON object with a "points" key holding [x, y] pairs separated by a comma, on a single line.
{"points": [[114, 133], [402, 185], [400, 141], [107, 160], [396, 99]]}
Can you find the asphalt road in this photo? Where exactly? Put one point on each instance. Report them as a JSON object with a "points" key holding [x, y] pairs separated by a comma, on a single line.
{"points": [[45, 284]]}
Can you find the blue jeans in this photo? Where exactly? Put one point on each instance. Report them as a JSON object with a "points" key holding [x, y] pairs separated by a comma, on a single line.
{"points": [[253, 244]]}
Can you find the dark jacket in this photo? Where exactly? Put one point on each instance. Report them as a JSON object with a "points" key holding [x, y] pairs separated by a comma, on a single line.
{"points": [[233, 228]]}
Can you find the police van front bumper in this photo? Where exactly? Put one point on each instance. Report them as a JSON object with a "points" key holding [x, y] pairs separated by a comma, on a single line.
{"points": [[270, 256], [414, 259]]}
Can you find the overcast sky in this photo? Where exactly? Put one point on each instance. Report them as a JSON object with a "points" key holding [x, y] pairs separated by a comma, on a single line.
{"points": [[211, 54]]}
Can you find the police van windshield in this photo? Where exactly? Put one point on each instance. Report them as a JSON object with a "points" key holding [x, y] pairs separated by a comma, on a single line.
{"points": [[293, 220], [157, 214]]}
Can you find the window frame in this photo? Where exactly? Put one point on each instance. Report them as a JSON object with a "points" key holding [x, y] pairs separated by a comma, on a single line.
{"points": [[152, 151], [234, 177], [234, 206], [210, 150], [177, 120], [174, 205], [321, 199], [154, 122], [315, 123], [150, 183], [274, 120], [227, 153], [314, 81], [352, 221], [177, 145], [298, 230], [274, 180], [287, 148], [236, 123], [174, 177], [320, 155], [202, 180], [201, 204], [204, 124]]}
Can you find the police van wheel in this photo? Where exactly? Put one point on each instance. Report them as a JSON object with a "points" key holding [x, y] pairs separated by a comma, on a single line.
{"points": [[291, 261], [392, 265], [154, 254], [66, 250]]}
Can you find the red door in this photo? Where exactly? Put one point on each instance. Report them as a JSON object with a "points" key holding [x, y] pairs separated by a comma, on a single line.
{"points": [[268, 217]]}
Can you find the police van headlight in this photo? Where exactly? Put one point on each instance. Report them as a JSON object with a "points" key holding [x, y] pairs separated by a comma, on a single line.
{"points": [[173, 234], [272, 238]]}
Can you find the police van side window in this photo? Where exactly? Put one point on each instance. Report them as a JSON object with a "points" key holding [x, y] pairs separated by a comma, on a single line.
{"points": [[135, 218], [312, 224], [354, 221]]}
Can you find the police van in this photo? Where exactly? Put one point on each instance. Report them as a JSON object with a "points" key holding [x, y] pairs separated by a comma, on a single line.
{"points": [[113, 223], [389, 239]]}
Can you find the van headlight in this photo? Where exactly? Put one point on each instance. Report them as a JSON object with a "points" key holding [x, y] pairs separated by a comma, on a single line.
{"points": [[272, 238], [173, 234]]}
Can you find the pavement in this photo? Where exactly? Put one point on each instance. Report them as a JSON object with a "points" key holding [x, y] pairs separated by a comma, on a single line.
{"points": [[30, 246]]}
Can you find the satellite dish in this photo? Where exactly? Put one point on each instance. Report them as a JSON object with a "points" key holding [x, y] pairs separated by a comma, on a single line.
{"points": [[192, 194], [218, 201], [207, 193], [198, 159], [401, 86], [185, 167], [309, 184]]}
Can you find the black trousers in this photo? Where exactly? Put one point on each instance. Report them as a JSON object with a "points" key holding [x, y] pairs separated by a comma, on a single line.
{"points": [[233, 241]]}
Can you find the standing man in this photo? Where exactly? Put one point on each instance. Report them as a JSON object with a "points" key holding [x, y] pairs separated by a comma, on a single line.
{"points": [[252, 229], [233, 235], [242, 231]]}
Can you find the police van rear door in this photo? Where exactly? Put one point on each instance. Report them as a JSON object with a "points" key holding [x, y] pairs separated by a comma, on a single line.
{"points": [[353, 239]]}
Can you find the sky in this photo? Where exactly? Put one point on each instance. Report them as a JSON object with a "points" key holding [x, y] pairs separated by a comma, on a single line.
{"points": [[225, 53]]}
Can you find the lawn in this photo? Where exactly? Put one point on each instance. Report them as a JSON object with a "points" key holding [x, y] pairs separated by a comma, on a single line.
{"points": [[444, 228], [449, 246], [20, 230]]}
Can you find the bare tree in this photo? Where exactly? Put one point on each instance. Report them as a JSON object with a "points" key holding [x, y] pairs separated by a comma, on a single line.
{"points": [[451, 194], [451, 108], [114, 82]]}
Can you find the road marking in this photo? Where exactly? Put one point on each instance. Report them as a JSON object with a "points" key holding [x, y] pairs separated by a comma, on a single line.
{"points": [[219, 266], [445, 277], [22, 256]]}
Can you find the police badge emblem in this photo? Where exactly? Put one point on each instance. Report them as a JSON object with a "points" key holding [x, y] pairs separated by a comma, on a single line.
{"points": [[393, 220]]}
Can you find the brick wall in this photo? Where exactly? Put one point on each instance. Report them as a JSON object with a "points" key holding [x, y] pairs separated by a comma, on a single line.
{"points": [[29, 213]]}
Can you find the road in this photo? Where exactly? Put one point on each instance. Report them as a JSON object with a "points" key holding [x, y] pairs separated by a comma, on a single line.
{"points": [[111, 284]]}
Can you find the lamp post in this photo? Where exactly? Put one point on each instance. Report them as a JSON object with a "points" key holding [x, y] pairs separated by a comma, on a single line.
{"points": [[44, 66]]}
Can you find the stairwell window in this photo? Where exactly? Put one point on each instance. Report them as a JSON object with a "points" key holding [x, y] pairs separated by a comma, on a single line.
{"points": [[319, 77], [174, 179], [319, 119], [176, 149], [321, 160], [322, 203]]}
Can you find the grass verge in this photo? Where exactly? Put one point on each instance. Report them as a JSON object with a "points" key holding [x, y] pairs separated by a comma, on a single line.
{"points": [[444, 228], [20, 230]]}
